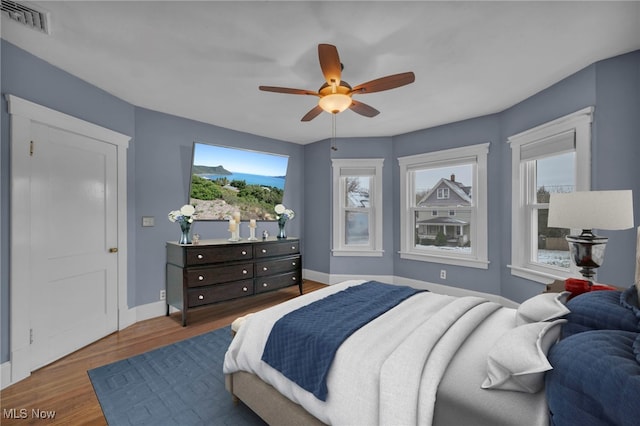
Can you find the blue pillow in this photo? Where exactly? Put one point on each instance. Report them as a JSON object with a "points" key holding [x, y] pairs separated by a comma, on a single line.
{"points": [[595, 379], [601, 310], [629, 300]]}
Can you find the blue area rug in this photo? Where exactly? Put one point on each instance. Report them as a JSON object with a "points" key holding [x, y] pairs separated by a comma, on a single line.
{"points": [[179, 384]]}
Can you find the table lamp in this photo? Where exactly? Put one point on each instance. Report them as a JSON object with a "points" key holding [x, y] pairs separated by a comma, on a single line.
{"points": [[588, 210]]}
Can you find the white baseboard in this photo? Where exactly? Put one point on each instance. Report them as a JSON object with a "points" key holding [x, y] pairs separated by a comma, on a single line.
{"points": [[5, 374], [159, 308], [127, 317], [151, 310], [320, 277], [392, 279], [454, 291]]}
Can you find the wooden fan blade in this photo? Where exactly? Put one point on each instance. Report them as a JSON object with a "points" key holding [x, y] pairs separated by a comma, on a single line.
{"points": [[312, 114], [385, 83], [363, 109], [288, 90], [330, 63]]}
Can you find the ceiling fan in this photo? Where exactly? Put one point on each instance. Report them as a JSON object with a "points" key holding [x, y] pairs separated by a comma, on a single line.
{"points": [[336, 94]]}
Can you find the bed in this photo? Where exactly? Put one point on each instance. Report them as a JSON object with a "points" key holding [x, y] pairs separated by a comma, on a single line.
{"points": [[431, 359]]}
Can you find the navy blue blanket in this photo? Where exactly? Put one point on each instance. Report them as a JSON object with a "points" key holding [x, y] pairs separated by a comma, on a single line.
{"points": [[303, 343], [595, 380]]}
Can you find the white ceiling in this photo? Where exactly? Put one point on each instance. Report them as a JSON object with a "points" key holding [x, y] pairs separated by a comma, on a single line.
{"points": [[205, 60]]}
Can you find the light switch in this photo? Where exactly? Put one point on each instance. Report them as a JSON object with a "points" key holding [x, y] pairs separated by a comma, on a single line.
{"points": [[148, 221]]}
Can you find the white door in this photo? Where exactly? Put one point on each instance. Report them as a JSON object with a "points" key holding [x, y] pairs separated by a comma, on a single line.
{"points": [[74, 282]]}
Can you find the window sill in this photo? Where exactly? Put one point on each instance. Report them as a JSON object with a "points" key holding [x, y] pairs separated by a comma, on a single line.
{"points": [[447, 260], [360, 253], [538, 276]]}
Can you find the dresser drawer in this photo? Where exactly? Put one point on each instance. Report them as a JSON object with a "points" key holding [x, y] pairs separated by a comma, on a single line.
{"points": [[217, 293], [219, 270], [218, 274], [277, 266], [277, 281], [208, 254], [276, 249]]}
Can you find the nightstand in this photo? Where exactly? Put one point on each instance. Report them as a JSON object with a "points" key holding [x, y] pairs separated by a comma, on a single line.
{"points": [[558, 286], [555, 287]]}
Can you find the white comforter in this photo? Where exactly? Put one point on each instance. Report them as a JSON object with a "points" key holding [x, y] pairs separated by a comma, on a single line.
{"points": [[389, 371]]}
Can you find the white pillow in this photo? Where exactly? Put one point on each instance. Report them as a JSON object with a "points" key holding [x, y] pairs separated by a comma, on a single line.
{"points": [[542, 307], [518, 359]]}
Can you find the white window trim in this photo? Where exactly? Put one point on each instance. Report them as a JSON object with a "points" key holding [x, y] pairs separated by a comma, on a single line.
{"points": [[443, 194], [374, 248], [580, 123], [479, 233]]}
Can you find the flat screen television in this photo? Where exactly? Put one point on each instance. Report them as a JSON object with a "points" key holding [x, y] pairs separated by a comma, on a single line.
{"points": [[225, 180]]}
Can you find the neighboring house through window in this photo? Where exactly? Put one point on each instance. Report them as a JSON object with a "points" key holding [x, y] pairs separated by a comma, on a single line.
{"points": [[444, 200], [552, 157], [357, 207]]}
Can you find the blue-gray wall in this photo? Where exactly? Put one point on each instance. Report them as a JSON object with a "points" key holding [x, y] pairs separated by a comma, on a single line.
{"points": [[30, 78], [567, 96], [160, 153], [616, 154], [463, 133], [612, 86], [158, 169], [164, 146]]}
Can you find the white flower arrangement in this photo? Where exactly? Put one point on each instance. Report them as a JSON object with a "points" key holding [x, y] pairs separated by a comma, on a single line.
{"points": [[185, 214], [283, 214]]}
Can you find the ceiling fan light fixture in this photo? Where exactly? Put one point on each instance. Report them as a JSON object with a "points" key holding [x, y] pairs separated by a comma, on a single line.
{"points": [[335, 103], [335, 94]]}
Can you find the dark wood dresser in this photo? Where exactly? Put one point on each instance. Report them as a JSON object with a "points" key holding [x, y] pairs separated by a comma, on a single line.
{"points": [[217, 270]]}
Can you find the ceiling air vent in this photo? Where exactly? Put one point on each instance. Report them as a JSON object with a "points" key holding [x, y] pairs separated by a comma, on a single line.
{"points": [[25, 15]]}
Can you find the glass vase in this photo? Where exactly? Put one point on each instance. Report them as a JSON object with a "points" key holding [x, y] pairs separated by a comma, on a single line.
{"points": [[281, 232], [185, 236]]}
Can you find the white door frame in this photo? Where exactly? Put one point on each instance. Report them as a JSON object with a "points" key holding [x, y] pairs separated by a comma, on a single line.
{"points": [[22, 113]]}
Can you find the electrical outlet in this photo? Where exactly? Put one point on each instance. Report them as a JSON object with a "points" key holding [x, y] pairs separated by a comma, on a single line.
{"points": [[443, 274], [163, 294]]}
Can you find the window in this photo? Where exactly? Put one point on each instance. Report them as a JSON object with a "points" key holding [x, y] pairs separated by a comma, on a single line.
{"points": [[443, 193], [553, 157], [357, 207], [444, 204]]}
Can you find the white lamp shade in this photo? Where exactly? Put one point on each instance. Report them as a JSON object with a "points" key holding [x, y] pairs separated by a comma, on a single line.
{"points": [[612, 210]]}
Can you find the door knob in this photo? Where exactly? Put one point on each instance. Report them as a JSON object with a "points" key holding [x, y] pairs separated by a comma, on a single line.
{"points": [[113, 250]]}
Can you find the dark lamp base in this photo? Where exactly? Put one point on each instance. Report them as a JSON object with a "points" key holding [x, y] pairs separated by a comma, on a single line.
{"points": [[587, 252]]}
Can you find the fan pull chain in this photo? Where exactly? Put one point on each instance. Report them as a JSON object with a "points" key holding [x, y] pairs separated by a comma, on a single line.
{"points": [[333, 132]]}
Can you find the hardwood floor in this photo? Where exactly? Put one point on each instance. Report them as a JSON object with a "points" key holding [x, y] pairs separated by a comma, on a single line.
{"points": [[64, 387]]}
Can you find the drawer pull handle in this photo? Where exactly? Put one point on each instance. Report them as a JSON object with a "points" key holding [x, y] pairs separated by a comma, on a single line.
{"points": [[244, 289], [293, 247], [293, 263], [244, 271], [293, 278], [264, 268], [264, 250], [200, 297], [244, 252], [200, 256], [265, 285], [200, 278]]}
